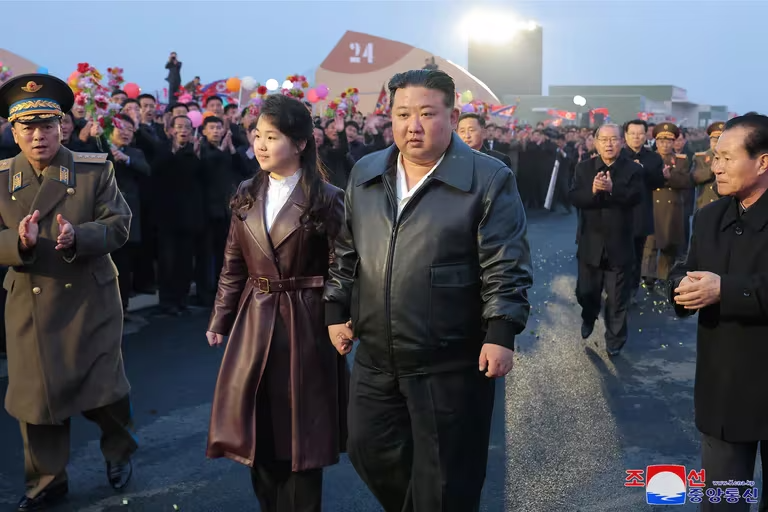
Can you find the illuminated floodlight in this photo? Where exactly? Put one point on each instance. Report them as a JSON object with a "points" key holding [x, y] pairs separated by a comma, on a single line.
{"points": [[288, 85], [494, 27], [579, 101], [272, 84]]}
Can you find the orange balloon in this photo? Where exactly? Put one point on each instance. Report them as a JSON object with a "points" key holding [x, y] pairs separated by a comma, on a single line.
{"points": [[233, 84], [208, 114]]}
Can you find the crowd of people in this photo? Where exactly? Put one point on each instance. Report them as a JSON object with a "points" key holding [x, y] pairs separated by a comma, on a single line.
{"points": [[300, 258]]}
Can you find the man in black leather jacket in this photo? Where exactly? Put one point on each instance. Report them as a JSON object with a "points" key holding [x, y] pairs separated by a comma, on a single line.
{"points": [[432, 265]]}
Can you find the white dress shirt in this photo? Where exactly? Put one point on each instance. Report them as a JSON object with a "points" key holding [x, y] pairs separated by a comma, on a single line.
{"points": [[403, 194], [278, 193]]}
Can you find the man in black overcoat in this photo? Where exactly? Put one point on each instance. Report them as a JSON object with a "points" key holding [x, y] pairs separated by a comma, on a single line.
{"points": [[725, 279]]}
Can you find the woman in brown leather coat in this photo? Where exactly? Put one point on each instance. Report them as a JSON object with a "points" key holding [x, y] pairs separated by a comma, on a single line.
{"points": [[280, 400]]}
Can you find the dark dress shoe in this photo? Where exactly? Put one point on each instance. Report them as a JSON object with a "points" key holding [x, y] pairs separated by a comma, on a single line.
{"points": [[613, 351], [587, 328], [119, 474], [44, 499]]}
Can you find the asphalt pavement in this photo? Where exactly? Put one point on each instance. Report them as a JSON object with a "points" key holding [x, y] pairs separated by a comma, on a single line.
{"points": [[568, 420]]}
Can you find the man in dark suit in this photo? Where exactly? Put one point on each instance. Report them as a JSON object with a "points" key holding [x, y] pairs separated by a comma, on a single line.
{"points": [[725, 279], [606, 189], [471, 129], [635, 149]]}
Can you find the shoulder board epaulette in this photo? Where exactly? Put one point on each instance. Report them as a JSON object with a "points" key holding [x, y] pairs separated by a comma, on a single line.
{"points": [[701, 153], [5, 164], [681, 155], [90, 158]]}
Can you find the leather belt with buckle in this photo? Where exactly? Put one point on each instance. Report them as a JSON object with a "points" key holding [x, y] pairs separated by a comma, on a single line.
{"points": [[269, 285]]}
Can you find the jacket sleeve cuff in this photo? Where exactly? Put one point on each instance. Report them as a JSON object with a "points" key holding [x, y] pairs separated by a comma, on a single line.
{"points": [[500, 332], [335, 314]]}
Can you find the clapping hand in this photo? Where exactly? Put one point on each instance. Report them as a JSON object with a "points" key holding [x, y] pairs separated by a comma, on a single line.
{"points": [[698, 290], [29, 229], [667, 170], [602, 182], [66, 238]]}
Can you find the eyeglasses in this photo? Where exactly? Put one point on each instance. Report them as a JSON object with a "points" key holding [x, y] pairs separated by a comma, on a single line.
{"points": [[612, 140]]}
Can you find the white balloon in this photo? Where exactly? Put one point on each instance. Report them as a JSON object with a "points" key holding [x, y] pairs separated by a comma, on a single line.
{"points": [[248, 82], [272, 84], [288, 85]]}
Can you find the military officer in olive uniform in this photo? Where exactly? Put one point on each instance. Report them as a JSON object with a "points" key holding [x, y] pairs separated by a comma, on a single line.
{"points": [[61, 214], [703, 177], [668, 241]]}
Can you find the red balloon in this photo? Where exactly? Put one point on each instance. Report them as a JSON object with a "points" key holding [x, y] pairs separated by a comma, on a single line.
{"points": [[312, 96], [132, 90]]}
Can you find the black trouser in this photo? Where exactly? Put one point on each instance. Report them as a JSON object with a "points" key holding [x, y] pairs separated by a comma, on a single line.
{"points": [[176, 264], [46, 447], [145, 279], [125, 261], [278, 489], [723, 461], [637, 266], [209, 258], [420, 443], [589, 290]]}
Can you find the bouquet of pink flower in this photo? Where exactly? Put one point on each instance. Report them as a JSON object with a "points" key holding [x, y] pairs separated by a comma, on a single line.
{"points": [[116, 79], [90, 93]]}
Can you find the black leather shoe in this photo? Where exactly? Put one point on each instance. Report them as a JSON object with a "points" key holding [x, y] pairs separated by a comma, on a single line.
{"points": [[119, 474], [44, 499], [586, 329]]}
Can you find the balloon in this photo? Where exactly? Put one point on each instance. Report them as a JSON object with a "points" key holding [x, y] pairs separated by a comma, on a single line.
{"points": [[233, 84], [42, 70], [132, 90], [248, 82], [257, 100], [185, 98], [208, 114], [468, 108], [196, 118], [74, 77], [466, 97], [322, 91], [312, 96]]}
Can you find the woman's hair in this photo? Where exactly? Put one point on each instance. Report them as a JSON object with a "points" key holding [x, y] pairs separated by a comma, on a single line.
{"points": [[292, 119]]}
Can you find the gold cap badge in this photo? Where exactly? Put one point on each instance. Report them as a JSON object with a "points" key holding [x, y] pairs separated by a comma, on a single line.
{"points": [[31, 87]]}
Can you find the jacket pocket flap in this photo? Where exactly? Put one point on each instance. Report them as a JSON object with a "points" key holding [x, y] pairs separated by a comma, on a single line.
{"points": [[454, 274]]}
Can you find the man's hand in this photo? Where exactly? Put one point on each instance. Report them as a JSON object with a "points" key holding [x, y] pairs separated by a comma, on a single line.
{"points": [[667, 171], [66, 238], [598, 183], [118, 155], [495, 360], [342, 337], [214, 338], [698, 290], [338, 122], [608, 183], [29, 229]]}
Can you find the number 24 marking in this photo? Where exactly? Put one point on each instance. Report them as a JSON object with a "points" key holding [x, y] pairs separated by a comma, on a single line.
{"points": [[367, 53]]}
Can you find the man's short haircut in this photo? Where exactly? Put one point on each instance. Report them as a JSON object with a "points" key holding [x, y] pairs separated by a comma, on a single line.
{"points": [[430, 79]]}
